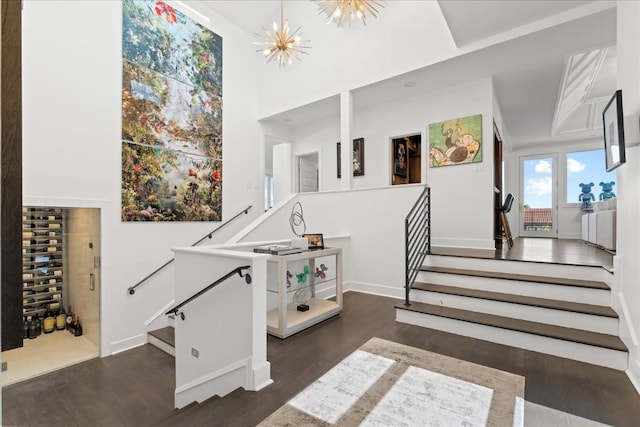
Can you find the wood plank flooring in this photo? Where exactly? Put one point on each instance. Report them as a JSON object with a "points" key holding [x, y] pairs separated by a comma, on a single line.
{"points": [[542, 250], [135, 388]]}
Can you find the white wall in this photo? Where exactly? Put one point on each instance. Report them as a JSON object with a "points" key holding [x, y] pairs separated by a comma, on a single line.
{"points": [[374, 256], [456, 190], [72, 72], [282, 172], [569, 215], [221, 343], [627, 268], [406, 35], [322, 136]]}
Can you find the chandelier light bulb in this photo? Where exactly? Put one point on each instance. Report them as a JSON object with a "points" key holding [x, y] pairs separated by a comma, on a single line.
{"points": [[336, 10], [282, 46]]}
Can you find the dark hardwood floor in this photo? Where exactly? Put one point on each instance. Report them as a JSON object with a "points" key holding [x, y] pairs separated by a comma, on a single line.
{"points": [[135, 388], [541, 250]]}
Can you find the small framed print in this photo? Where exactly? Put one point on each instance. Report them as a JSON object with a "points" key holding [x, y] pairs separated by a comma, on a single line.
{"points": [[316, 241], [358, 157]]}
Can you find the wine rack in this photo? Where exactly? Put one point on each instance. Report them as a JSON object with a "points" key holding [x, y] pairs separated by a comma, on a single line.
{"points": [[42, 259]]}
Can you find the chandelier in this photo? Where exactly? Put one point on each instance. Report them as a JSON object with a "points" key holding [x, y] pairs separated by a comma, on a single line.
{"points": [[340, 11], [282, 45]]}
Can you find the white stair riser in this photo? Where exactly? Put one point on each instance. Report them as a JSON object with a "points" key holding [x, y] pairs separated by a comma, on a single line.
{"points": [[516, 287], [161, 345], [567, 319], [521, 267], [584, 353]]}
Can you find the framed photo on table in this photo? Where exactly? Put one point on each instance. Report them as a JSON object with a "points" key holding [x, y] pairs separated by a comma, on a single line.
{"points": [[316, 241]]}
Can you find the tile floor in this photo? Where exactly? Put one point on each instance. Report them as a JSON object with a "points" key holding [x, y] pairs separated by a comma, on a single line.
{"points": [[45, 354]]}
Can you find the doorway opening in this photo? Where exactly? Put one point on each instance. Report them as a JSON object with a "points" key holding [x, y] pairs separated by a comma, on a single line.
{"points": [[308, 173], [406, 159], [60, 291], [538, 190]]}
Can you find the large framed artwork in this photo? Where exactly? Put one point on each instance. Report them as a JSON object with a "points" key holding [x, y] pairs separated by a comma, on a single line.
{"points": [[171, 116], [455, 142], [358, 157]]}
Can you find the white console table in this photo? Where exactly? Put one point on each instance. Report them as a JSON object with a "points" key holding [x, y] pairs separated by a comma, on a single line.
{"points": [[284, 290]]}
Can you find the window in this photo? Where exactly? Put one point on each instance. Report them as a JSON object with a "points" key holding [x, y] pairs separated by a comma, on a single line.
{"points": [[586, 167]]}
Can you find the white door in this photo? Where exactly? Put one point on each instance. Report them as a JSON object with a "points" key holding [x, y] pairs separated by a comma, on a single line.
{"points": [[538, 202], [308, 173]]}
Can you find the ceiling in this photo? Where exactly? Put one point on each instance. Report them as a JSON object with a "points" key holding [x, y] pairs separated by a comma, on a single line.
{"points": [[543, 95]]}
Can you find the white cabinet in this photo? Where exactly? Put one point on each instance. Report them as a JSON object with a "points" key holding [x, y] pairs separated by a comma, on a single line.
{"points": [[307, 278]]}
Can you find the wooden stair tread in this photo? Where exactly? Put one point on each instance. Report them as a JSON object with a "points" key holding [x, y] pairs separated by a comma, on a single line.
{"points": [[567, 334], [575, 307], [515, 276], [166, 335]]}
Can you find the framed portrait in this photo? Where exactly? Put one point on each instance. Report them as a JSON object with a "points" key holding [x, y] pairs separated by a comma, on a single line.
{"points": [[400, 157], [613, 124], [316, 241], [358, 157]]}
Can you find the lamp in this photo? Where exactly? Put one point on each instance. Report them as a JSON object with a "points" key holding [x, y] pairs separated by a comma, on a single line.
{"points": [[339, 11], [282, 45]]}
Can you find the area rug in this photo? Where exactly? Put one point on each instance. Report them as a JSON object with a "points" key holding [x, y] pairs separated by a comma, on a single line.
{"points": [[384, 383]]}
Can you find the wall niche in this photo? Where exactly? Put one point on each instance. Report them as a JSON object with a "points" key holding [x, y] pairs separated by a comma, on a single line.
{"points": [[406, 159]]}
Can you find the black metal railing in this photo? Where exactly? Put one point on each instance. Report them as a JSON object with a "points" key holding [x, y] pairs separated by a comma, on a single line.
{"points": [[417, 238], [132, 289], [247, 278]]}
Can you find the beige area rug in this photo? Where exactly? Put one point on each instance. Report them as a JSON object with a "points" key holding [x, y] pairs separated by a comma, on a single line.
{"points": [[384, 383]]}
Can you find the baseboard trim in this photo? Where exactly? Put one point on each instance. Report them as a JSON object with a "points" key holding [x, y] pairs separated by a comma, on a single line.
{"points": [[217, 383], [488, 245], [127, 344], [633, 377], [377, 289], [625, 318]]}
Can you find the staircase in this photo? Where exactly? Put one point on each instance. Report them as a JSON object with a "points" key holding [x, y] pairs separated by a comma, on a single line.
{"points": [[562, 310], [164, 339]]}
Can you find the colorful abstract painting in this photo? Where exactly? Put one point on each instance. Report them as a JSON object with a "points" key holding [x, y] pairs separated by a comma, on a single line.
{"points": [[455, 142], [171, 116]]}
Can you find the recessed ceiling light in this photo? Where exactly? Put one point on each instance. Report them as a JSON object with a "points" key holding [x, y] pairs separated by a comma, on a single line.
{"points": [[409, 84]]}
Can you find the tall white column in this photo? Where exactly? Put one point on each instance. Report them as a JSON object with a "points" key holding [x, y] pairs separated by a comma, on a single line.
{"points": [[627, 270], [346, 151]]}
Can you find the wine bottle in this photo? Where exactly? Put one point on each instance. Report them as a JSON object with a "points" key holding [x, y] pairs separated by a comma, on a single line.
{"points": [[38, 326], [25, 328], [32, 328], [77, 327], [69, 319], [49, 322], [61, 319]]}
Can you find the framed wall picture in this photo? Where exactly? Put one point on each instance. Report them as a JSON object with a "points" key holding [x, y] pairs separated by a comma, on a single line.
{"points": [[455, 142], [400, 157], [358, 157], [316, 241], [613, 125]]}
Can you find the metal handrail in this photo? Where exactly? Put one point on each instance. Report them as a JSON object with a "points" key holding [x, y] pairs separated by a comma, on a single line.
{"points": [[417, 239], [175, 310], [132, 289]]}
